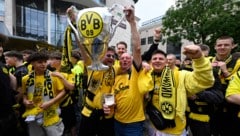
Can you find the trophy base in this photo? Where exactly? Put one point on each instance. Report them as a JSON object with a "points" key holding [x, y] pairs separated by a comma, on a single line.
{"points": [[98, 67]]}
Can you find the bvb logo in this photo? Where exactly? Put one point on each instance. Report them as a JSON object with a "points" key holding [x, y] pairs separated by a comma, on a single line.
{"points": [[90, 24], [167, 108]]}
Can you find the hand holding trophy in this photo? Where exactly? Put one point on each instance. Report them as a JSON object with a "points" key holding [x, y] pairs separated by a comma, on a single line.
{"points": [[94, 30]]}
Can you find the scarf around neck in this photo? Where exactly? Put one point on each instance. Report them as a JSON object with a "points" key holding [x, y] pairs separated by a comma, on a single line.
{"points": [[167, 94], [47, 88], [50, 115], [47, 92]]}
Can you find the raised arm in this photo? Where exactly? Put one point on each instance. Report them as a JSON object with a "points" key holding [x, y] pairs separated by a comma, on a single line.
{"points": [[148, 54], [135, 37], [72, 14], [201, 77]]}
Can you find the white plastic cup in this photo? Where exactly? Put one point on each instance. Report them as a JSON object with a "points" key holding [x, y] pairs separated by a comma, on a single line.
{"points": [[109, 99]]}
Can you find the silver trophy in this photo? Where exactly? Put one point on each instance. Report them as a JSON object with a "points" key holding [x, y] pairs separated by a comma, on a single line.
{"points": [[94, 29]]}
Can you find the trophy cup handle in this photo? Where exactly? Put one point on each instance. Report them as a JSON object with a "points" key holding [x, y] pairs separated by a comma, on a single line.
{"points": [[113, 29], [72, 13], [75, 31], [73, 28]]}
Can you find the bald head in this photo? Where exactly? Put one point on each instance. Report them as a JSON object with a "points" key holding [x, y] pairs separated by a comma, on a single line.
{"points": [[171, 58]]}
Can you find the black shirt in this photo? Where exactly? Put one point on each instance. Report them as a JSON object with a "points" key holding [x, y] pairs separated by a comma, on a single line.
{"points": [[6, 93]]}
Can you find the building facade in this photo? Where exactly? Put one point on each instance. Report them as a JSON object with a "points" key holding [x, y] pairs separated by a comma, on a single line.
{"points": [[147, 33], [46, 20], [147, 36]]}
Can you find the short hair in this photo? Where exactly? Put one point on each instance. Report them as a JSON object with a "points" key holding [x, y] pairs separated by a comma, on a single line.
{"points": [[55, 55], [225, 38], [171, 54], [13, 53], [204, 47], [27, 51], [76, 54], [38, 56], [122, 42], [111, 49], [159, 52], [187, 58]]}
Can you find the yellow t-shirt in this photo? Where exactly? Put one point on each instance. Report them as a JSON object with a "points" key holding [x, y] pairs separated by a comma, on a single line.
{"points": [[129, 101], [50, 115], [99, 83], [234, 85], [116, 63]]}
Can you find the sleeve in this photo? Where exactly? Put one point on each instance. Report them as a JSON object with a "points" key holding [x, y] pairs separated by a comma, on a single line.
{"points": [[234, 85], [18, 76], [145, 82], [201, 77], [58, 84], [71, 78], [213, 95], [147, 55]]}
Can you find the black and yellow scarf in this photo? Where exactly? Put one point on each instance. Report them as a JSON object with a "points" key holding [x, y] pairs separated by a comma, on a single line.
{"points": [[167, 94], [66, 64], [47, 88], [50, 115], [30, 91]]}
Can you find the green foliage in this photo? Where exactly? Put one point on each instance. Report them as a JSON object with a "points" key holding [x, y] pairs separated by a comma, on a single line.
{"points": [[202, 21]]}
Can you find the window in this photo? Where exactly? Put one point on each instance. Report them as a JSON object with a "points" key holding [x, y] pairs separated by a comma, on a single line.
{"points": [[32, 19], [101, 1], [143, 41], [2, 7], [150, 40]]}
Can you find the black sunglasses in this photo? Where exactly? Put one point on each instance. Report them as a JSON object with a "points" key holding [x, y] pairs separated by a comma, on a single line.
{"points": [[110, 56]]}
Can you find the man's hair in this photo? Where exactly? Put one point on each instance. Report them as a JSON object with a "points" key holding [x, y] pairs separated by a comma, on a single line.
{"points": [[38, 56], [187, 58], [76, 54], [55, 55], [122, 42], [225, 38], [159, 52], [3, 39], [27, 51], [171, 54], [111, 49], [13, 53], [204, 47]]}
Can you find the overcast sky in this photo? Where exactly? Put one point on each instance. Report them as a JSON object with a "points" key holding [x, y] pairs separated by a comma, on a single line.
{"points": [[149, 9]]}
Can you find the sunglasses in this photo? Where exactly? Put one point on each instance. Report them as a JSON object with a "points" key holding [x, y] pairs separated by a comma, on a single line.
{"points": [[110, 56]]}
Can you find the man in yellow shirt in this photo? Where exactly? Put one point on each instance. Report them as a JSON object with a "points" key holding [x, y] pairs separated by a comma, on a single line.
{"points": [[121, 47], [129, 113], [170, 88], [42, 93], [93, 121]]}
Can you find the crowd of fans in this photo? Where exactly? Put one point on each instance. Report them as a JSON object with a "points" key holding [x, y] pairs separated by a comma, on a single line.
{"points": [[199, 96]]}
